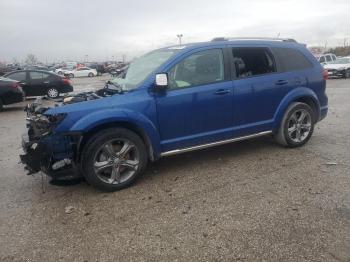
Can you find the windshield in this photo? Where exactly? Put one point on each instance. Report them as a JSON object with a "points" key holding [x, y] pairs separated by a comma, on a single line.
{"points": [[344, 60], [142, 67]]}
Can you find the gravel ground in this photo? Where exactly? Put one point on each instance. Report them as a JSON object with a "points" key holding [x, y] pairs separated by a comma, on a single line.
{"points": [[248, 201]]}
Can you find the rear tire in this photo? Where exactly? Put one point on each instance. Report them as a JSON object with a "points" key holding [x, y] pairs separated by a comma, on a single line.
{"points": [[1, 105], [297, 125], [71, 76], [108, 167], [52, 93]]}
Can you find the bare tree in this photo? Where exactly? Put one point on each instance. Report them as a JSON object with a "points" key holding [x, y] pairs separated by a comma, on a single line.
{"points": [[31, 59]]}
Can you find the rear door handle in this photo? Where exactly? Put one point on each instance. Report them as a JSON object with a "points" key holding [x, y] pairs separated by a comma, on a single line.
{"points": [[281, 82], [47, 82], [222, 91]]}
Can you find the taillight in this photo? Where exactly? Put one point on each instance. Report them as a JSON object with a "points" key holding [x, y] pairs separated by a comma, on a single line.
{"points": [[15, 85], [325, 74], [66, 81]]}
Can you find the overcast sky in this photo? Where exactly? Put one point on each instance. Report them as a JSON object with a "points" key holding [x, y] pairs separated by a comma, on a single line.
{"points": [[56, 30]]}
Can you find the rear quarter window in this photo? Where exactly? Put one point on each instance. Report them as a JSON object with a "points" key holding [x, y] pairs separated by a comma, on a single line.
{"points": [[290, 59]]}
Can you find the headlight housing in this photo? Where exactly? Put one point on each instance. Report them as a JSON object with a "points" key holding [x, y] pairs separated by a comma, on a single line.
{"points": [[55, 120]]}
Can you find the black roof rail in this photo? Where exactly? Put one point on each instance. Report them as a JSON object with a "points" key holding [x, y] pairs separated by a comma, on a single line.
{"points": [[253, 38]]}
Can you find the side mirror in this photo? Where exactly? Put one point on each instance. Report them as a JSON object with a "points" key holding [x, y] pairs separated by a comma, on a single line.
{"points": [[161, 83]]}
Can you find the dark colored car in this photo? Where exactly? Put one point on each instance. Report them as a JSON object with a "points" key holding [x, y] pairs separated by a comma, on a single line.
{"points": [[99, 68], [179, 99], [10, 92], [39, 83], [119, 72]]}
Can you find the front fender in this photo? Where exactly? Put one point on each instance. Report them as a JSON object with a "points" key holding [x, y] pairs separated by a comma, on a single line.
{"points": [[90, 121], [294, 95]]}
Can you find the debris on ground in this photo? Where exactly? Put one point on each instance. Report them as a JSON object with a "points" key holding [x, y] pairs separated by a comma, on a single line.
{"points": [[69, 209]]}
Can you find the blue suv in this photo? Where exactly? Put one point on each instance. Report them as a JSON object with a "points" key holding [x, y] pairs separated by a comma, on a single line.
{"points": [[178, 99]]}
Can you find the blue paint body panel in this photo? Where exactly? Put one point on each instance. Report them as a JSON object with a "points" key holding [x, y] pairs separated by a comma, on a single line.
{"points": [[192, 116]]}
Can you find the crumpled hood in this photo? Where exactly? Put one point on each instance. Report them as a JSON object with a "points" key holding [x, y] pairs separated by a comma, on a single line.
{"points": [[94, 105], [75, 112]]}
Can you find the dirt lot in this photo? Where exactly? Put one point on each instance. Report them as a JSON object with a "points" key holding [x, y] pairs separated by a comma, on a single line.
{"points": [[248, 201]]}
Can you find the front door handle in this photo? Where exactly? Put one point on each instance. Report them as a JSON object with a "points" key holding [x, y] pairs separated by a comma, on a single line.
{"points": [[222, 91], [281, 82], [47, 82]]}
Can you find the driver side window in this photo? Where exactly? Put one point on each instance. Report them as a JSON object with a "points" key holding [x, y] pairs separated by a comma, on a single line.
{"points": [[201, 68]]}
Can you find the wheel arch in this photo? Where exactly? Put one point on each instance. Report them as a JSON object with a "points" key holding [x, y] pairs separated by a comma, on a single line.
{"points": [[302, 94], [139, 124], [123, 124]]}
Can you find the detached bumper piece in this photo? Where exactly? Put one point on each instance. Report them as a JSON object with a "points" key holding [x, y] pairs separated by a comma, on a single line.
{"points": [[53, 154]]}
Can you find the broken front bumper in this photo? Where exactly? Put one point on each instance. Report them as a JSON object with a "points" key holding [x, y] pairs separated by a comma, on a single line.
{"points": [[54, 155]]}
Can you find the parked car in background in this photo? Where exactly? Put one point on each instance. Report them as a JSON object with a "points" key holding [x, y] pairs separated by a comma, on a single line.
{"points": [[179, 99], [10, 92], [62, 70], [100, 68], [39, 83], [81, 72], [326, 58], [339, 67], [119, 72]]}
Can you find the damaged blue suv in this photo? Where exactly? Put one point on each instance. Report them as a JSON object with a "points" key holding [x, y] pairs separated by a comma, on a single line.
{"points": [[178, 99]]}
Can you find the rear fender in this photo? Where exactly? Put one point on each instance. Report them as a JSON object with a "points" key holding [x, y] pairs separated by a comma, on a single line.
{"points": [[292, 96]]}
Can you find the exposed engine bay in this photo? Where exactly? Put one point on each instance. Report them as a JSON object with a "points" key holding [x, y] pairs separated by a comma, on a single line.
{"points": [[53, 153]]}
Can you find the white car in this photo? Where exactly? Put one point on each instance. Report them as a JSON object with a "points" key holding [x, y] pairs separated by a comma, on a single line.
{"points": [[82, 71], [62, 70], [339, 67], [326, 58]]}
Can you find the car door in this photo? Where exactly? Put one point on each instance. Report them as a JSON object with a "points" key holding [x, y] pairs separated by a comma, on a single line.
{"points": [[82, 72], [197, 107], [257, 89], [261, 82], [37, 85], [21, 77]]}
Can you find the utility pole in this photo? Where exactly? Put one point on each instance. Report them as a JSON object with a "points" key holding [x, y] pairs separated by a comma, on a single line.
{"points": [[179, 36]]}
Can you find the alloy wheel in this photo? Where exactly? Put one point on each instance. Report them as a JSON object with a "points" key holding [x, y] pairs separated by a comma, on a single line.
{"points": [[52, 93], [116, 161], [299, 125]]}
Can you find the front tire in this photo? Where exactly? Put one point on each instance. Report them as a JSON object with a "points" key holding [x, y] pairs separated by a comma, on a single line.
{"points": [[1, 105], [113, 159], [91, 75], [71, 76], [297, 125]]}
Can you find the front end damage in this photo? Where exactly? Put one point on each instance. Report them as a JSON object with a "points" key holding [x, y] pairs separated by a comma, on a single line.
{"points": [[43, 149], [55, 154]]}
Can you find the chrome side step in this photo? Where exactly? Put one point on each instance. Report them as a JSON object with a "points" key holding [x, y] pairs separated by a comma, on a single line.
{"points": [[192, 148]]}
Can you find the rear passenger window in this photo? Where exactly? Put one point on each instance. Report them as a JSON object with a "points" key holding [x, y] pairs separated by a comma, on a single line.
{"points": [[20, 76], [322, 59], [292, 59], [45, 76], [328, 58], [251, 61], [36, 75]]}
